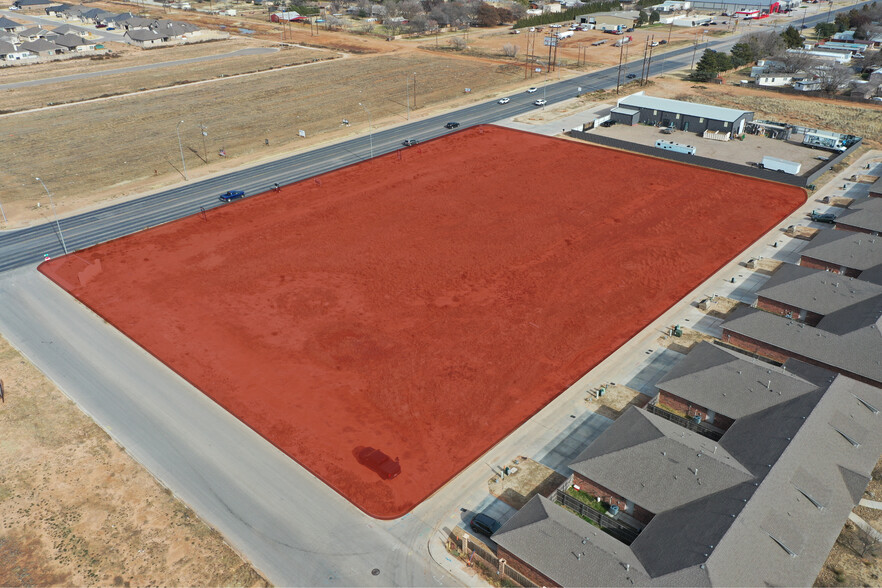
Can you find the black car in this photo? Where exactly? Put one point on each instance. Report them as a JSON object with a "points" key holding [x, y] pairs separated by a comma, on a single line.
{"points": [[823, 218], [232, 195], [481, 523], [410, 142], [377, 461], [452, 125], [631, 76]]}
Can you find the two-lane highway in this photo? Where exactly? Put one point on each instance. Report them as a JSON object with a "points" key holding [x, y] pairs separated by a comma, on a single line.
{"points": [[27, 246]]}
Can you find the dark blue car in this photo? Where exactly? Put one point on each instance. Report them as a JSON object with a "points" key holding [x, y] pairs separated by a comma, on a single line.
{"points": [[232, 195]]}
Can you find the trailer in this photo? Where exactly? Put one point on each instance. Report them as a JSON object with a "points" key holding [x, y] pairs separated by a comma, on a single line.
{"points": [[565, 35], [675, 147], [781, 165], [622, 41]]}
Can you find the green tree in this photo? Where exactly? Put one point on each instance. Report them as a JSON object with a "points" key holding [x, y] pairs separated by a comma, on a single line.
{"points": [[654, 17], [641, 19], [710, 65], [791, 37], [825, 30], [742, 54]]}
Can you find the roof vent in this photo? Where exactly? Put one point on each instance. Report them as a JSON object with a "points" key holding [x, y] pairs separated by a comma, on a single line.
{"points": [[872, 408], [781, 543]]}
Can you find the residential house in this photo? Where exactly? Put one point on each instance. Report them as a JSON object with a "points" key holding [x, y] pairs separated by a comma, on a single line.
{"points": [[42, 48], [812, 84], [74, 43], [864, 216], [32, 34], [808, 295], [9, 52], [67, 29], [842, 252], [10, 26], [25, 4], [143, 37], [761, 506]]}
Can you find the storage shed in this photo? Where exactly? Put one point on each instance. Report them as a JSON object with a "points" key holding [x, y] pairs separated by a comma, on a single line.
{"points": [[625, 116]]}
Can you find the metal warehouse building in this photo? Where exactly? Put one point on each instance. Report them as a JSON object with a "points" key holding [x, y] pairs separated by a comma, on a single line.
{"points": [[731, 6], [683, 116]]}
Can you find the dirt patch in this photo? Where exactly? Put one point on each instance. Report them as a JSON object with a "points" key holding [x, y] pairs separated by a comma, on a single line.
{"points": [[801, 232], [719, 306], [840, 201], [615, 400], [354, 337], [75, 509], [530, 479], [765, 266], [685, 342]]}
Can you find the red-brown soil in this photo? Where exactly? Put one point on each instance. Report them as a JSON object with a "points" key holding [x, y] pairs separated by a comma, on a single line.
{"points": [[425, 303]]}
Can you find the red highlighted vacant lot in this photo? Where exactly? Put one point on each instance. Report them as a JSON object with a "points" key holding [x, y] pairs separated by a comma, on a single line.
{"points": [[425, 303]]}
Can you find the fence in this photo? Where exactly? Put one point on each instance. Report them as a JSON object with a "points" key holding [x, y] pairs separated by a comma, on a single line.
{"points": [[726, 166], [690, 424], [619, 530], [736, 168], [471, 549]]}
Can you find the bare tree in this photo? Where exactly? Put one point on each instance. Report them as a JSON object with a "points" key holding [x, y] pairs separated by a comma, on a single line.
{"points": [[458, 43], [333, 22], [797, 61], [764, 44], [833, 77], [862, 543], [440, 16], [510, 50], [366, 28], [411, 8]]}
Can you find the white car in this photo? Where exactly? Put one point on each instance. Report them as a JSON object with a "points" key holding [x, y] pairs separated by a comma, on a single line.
{"points": [[541, 102], [504, 100], [531, 90]]}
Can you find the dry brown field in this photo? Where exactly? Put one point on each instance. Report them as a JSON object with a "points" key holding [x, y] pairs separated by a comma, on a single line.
{"points": [[97, 150], [76, 510]]}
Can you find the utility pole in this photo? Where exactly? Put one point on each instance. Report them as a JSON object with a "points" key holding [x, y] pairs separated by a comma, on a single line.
{"points": [[203, 128], [804, 10], [181, 147], [649, 62], [694, 49], [407, 94], [619, 76], [414, 91], [643, 66], [57, 224], [370, 128]]}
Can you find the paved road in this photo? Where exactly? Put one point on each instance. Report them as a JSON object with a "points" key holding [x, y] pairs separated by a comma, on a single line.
{"points": [[107, 72], [27, 246]]}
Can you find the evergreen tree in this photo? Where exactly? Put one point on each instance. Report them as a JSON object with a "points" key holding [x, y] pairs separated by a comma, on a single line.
{"points": [[654, 16], [791, 37], [742, 54]]}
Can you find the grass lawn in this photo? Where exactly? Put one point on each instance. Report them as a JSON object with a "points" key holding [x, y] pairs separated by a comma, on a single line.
{"points": [[588, 499]]}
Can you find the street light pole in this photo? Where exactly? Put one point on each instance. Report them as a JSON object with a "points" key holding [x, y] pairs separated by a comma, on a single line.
{"points": [[3, 213], [181, 147], [370, 128], [57, 224]]}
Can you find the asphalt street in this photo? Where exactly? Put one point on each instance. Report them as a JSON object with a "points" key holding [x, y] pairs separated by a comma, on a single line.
{"points": [[27, 246], [122, 70], [44, 21]]}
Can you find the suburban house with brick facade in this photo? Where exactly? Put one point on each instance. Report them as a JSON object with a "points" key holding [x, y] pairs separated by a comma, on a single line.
{"points": [[847, 341], [808, 295], [842, 252], [761, 506], [864, 216], [735, 385]]}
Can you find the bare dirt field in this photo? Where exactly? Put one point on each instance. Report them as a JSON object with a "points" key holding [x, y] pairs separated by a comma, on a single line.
{"points": [[76, 510], [685, 342], [530, 479], [111, 84], [98, 150], [616, 400], [354, 336]]}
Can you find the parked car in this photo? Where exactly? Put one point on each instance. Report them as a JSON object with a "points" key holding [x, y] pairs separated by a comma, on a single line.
{"points": [[514, 32], [409, 142], [378, 462], [484, 524], [531, 90], [823, 218], [110, 29], [541, 102], [663, 42], [232, 195], [452, 125], [631, 76], [504, 100], [100, 25]]}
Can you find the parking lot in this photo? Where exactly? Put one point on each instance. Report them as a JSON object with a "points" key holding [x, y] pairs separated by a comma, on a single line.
{"points": [[749, 151]]}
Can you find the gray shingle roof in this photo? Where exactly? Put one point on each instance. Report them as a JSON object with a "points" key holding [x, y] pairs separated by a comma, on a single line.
{"points": [[866, 214], [66, 29], [733, 384], [143, 35], [855, 351], [845, 248], [736, 536], [33, 31], [816, 290], [6, 23], [7, 48], [40, 46], [70, 41], [667, 465], [640, 100]]}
